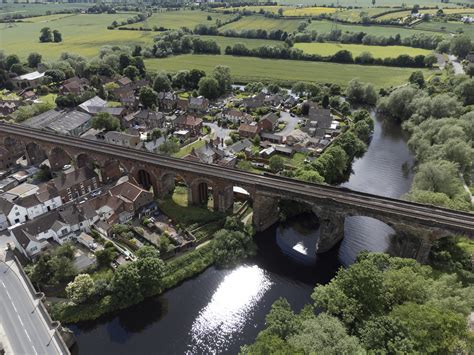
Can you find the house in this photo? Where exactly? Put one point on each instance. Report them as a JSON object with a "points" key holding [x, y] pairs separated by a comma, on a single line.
{"points": [[122, 138], [297, 136], [182, 104], [7, 184], [190, 123], [30, 80], [21, 191], [233, 115], [126, 96], [318, 121], [207, 154], [254, 102], [90, 106], [123, 81], [43, 120], [29, 95], [60, 225], [72, 123], [273, 100], [198, 104], [269, 122], [249, 130], [132, 194], [74, 86], [7, 107], [240, 146], [167, 101], [118, 112], [76, 183], [147, 119]]}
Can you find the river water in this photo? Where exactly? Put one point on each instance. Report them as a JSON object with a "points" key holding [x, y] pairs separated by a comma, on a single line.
{"points": [[220, 310]]}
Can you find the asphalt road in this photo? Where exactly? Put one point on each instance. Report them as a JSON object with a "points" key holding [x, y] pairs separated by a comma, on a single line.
{"points": [[290, 121], [27, 332]]}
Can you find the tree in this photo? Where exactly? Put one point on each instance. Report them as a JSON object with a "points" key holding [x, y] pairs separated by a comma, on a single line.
{"points": [[131, 72], [232, 246], [268, 344], [430, 60], [34, 59], [56, 75], [148, 251], [105, 256], [194, 76], [148, 97], [417, 78], [150, 270], [11, 60], [162, 82], [79, 290], [299, 88], [438, 176], [461, 46], [281, 321], [432, 329], [309, 175], [57, 37], [324, 334], [465, 91], [104, 120], [276, 164], [125, 285], [224, 80], [156, 134], [209, 88], [169, 147], [45, 35], [325, 102]]}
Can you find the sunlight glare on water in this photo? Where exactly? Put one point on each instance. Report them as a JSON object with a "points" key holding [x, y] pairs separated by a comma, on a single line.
{"points": [[230, 307]]}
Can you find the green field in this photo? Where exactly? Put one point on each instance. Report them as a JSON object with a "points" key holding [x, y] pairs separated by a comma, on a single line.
{"points": [[38, 9], [401, 14], [447, 27], [182, 18], [367, 3], [326, 49], [289, 11], [246, 69], [259, 22], [249, 42], [82, 34]]}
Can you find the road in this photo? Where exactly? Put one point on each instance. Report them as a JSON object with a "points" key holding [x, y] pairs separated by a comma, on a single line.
{"points": [[26, 332], [457, 67], [455, 221]]}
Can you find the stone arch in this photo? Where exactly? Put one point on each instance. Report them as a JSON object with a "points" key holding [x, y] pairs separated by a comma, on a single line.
{"points": [[202, 190], [111, 169], [168, 182], [35, 154], [145, 179], [58, 158]]}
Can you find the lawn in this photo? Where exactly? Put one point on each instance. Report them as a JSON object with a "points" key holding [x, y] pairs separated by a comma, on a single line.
{"points": [[245, 69], [182, 18], [326, 49], [177, 209], [249, 42], [83, 34], [188, 148]]}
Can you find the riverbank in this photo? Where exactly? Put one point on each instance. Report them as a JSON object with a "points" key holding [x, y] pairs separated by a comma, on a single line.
{"points": [[177, 270]]}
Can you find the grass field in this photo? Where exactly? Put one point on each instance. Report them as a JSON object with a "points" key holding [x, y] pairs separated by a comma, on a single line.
{"points": [[82, 34], [249, 42], [260, 22], [447, 27], [326, 49], [46, 18], [38, 9], [245, 69], [366, 3], [401, 14], [289, 10], [182, 18]]}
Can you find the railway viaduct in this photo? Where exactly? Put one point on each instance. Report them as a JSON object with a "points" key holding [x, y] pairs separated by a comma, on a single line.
{"points": [[331, 204]]}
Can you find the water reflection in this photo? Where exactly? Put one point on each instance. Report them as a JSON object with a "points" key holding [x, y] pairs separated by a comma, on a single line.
{"points": [[228, 310]]}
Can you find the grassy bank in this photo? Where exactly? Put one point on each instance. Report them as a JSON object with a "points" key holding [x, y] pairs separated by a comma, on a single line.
{"points": [[245, 69], [177, 270]]}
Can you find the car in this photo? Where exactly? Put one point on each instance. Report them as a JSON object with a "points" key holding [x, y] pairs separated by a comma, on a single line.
{"points": [[292, 114], [67, 166]]}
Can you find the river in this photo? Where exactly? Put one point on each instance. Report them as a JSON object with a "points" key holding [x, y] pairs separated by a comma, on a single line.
{"points": [[220, 310]]}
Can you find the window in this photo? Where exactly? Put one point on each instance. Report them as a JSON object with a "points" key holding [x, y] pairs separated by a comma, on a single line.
{"points": [[34, 249]]}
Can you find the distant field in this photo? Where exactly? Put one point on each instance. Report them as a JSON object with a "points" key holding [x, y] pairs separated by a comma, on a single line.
{"points": [[82, 34], [259, 22], [289, 10], [249, 43], [46, 18], [366, 3], [447, 27], [182, 18], [401, 14], [326, 49], [355, 15], [246, 69], [37, 9]]}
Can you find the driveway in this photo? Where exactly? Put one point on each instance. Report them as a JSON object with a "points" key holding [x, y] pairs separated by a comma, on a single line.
{"points": [[458, 69], [291, 123], [220, 131]]}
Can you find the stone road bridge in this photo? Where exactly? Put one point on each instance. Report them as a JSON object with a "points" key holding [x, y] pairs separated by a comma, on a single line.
{"points": [[331, 204]]}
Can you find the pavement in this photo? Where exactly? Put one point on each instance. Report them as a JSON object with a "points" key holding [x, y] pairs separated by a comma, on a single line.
{"points": [[291, 123], [457, 67], [21, 331]]}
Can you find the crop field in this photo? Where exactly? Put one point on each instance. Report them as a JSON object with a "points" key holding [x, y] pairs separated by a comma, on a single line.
{"points": [[46, 18], [182, 18], [245, 69], [288, 10], [327, 49], [401, 14], [82, 34], [447, 27], [37, 9], [366, 3], [259, 22], [355, 15]]}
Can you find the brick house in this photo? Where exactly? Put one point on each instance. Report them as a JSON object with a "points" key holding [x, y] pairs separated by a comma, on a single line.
{"points": [[269, 122], [248, 130], [76, 183], [190, 123]]}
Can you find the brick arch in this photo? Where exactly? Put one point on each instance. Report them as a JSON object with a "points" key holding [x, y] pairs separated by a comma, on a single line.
{"points": [[58, 157], [35, 153]]}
